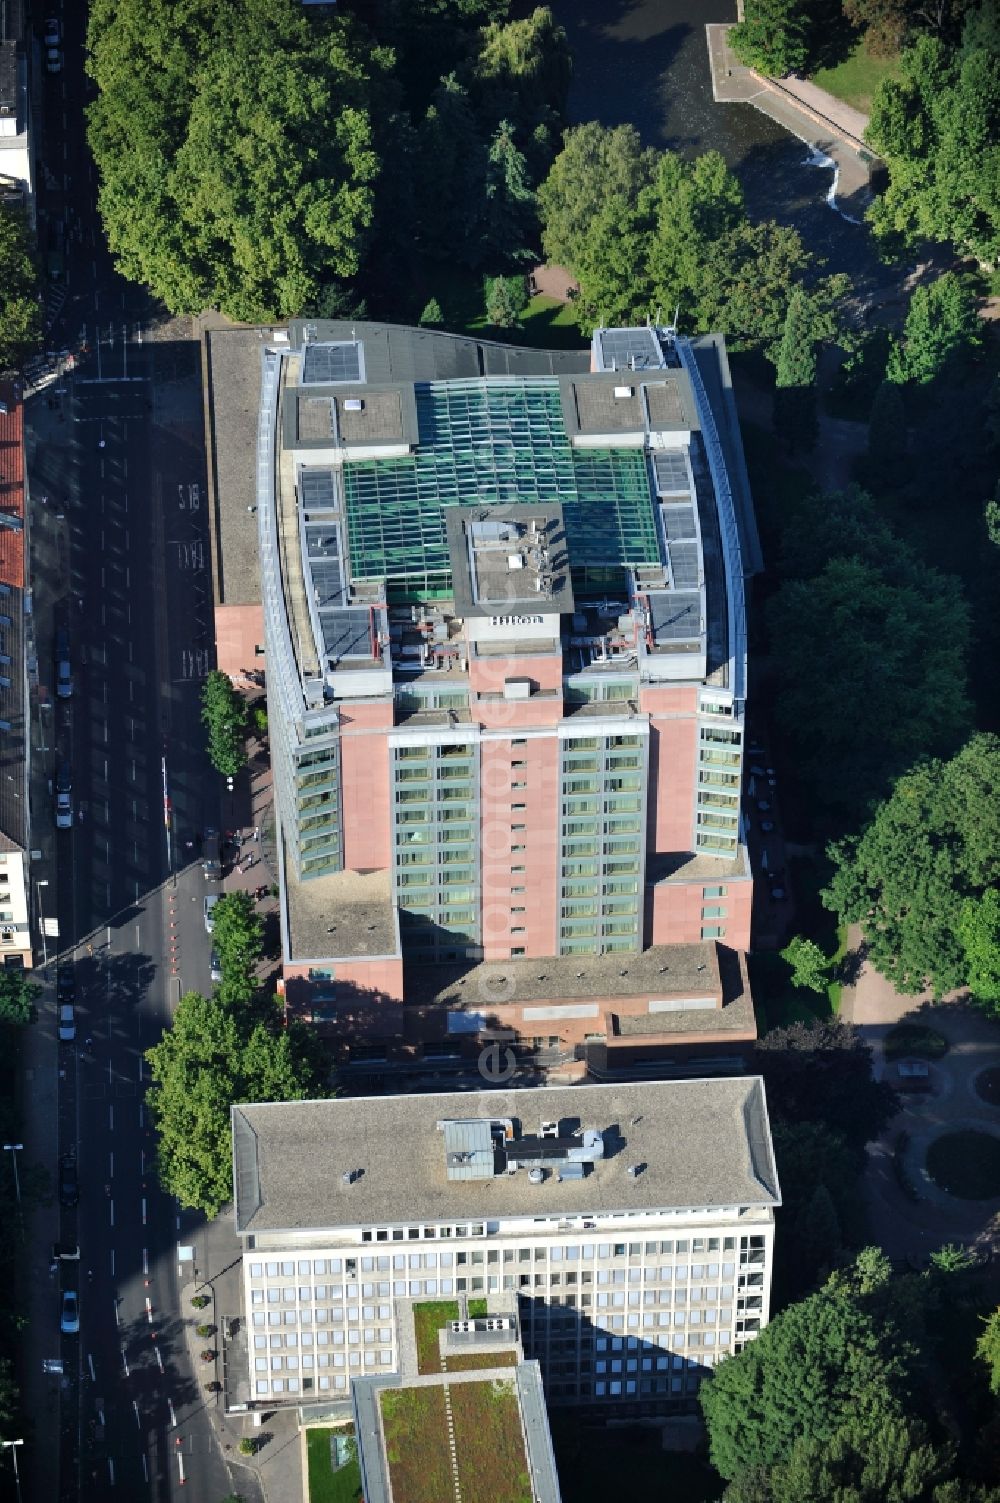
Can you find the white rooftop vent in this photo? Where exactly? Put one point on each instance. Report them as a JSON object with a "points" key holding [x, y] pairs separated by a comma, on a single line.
{"points": [[515, 561], [622, 393], [353, 404], [550, 1130], [536, 1176]]}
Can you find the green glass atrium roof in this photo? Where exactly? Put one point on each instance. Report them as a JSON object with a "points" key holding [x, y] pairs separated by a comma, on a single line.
{"points": [[490, 442]]}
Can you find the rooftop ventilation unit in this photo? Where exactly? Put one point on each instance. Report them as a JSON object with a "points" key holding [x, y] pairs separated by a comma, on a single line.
{"points": [[622, 393], [536, 1175], [353, 404]]}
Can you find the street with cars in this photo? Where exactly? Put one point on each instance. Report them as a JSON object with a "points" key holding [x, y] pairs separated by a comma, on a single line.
{"points": [[121, 793]]}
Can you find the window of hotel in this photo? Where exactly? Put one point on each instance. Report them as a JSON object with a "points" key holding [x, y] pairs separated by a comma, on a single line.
{"points": [[714, 892], [713, 931], [714, 912]]}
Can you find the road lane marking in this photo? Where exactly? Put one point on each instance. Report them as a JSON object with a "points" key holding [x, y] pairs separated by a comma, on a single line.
{"points": [[113, 1272], [111, 1119], [159, 1357], [111, 1166], [145, 1468], [135, 1411], [90, 1364], [144, 1210], [111, 1208], [149, 1310], [145, 1261], [125, 1362], [173, 1417]]}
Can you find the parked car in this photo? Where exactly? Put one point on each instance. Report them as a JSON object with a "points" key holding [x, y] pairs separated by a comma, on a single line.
{"points": [[53, 60], [763, 805], [69, 1322], [216, 966], [69, 1184], [756, 772], [53, 32], [64, 811], [766, 825], [211, 856], [67, 1023], [778, 893], [64, 668], [66, 984], [210, 903], [65, 1252]]}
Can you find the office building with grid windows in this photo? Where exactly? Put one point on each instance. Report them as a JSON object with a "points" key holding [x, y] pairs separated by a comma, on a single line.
{"points": [[629, 1228], [503, 596]]}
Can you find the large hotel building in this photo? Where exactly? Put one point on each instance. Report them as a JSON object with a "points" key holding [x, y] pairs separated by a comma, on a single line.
{"points": [[503, 611]]}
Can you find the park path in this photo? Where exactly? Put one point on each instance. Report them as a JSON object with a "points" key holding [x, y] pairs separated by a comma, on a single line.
{"points": [[904, 1227]]}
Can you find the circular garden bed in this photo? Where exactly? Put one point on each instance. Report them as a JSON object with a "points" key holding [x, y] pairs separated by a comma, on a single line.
{"points": [[987, 1085], [966, 1164]]}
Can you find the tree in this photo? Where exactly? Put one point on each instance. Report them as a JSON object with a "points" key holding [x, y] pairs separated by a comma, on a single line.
{"points": [[812, 1226], [887, 433], [885, 1459], [20, 316], [795, 377], [18, 997], [592, 222], [979, 934], [773, 37], [810, 967], [506, 300], [224, 712], [937, 128], [521, 74], [823, 1073], [988, 1349], [891, 636], [238, 940], [221, 183], [818, 1366], [432, 315], [942, 323], [510, 225], [931, 845], [451, 175], [211, 1057], [952, 1258], [991, 516], [689, 206]]}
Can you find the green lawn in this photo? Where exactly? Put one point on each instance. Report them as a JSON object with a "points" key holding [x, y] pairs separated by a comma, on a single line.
{"points": [[914, 1041], [325, 1484], [966, 1164], [857, 77]]}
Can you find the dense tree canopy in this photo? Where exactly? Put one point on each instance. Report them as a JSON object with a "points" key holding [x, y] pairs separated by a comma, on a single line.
{"points": [[18, 996], [931, 846], [224, 183], [942, 324], [773, 37], [212, 1056], [646, 233], [224, 713], [819, 1366], [20, 316], [823, 1073], [937, 127], [890, 635]]}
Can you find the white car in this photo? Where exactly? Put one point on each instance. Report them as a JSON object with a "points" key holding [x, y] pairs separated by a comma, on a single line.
{"points": [[210, 903], [67, 1023]]}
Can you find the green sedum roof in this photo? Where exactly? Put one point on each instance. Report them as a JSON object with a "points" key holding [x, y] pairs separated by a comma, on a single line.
{"points": [[486, 442]]}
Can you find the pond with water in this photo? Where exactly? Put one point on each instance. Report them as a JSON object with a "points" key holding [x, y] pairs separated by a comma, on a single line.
{"points": [[645, 62]]}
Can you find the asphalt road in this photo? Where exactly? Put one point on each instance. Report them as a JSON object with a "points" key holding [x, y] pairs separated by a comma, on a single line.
{"points": [[121, 561]]}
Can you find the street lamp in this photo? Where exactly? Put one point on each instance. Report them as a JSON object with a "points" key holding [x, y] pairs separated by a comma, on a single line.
{"points": [[13, 1444], [41, 882], [14, 1149]]}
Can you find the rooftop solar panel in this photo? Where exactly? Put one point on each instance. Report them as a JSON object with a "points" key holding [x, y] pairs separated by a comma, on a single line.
{"points": [[316, 490], [630, 349], [678, 522], [324, 364], [685, 565], [676, 616], [347, 633], [671, 473]]}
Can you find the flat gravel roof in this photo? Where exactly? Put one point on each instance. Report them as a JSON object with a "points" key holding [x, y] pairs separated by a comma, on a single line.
{"points": [[702, 1143]]}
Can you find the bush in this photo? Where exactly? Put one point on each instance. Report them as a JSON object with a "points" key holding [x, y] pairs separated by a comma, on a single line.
{"points": [[205, 1331], [208, 1355], [506, 300], [248, 1446], [199, 1301]]}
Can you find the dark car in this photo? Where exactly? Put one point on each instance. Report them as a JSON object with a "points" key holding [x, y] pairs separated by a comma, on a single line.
{"points": [[66, 985], [767, 825], [211, 856], [69, 1183], [64, 669]]}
